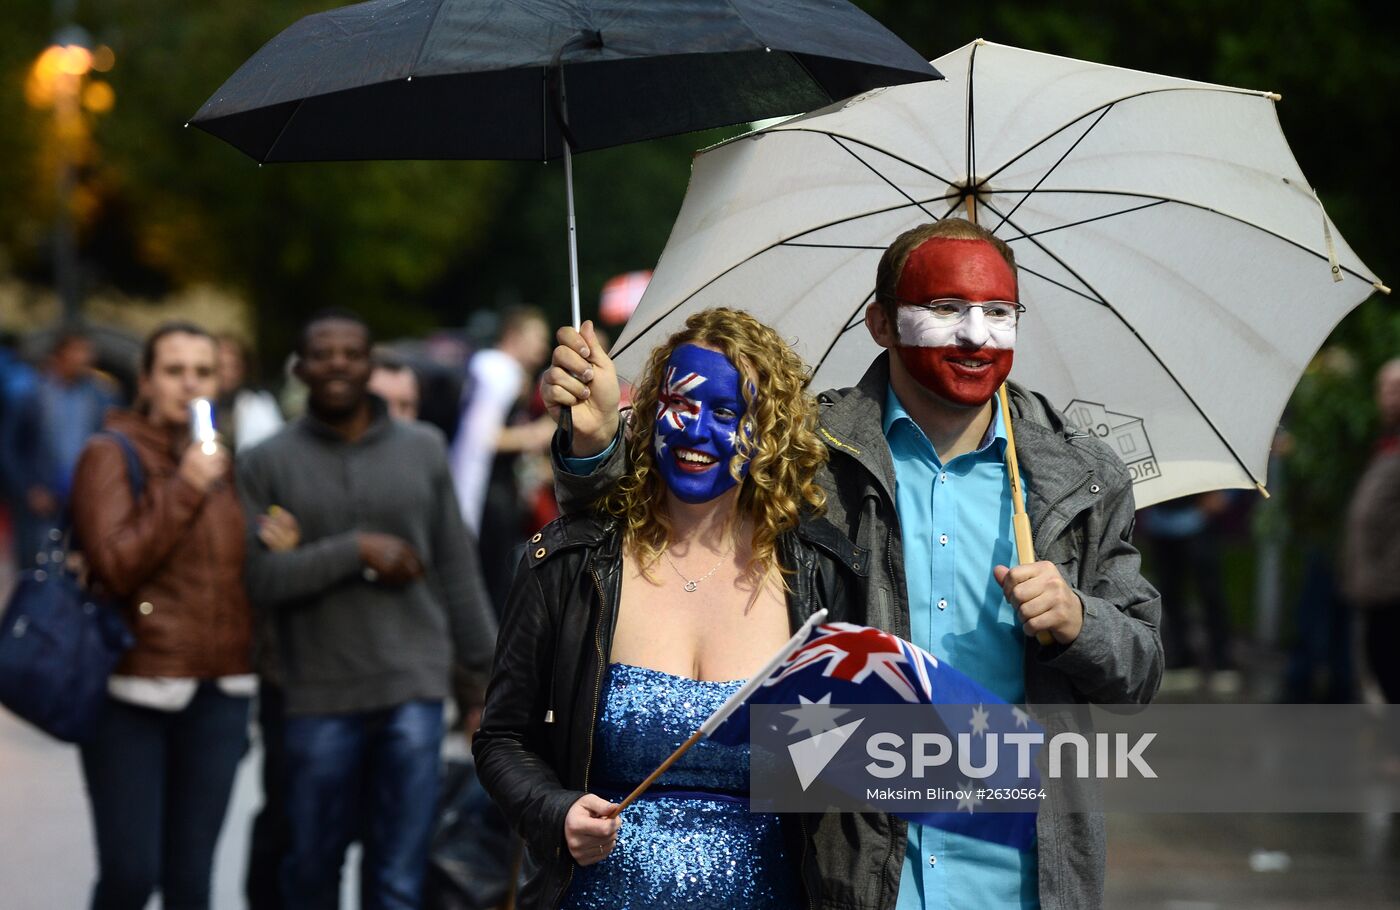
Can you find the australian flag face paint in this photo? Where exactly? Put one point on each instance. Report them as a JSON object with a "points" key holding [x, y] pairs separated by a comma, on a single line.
{"points": [[699, 415]]}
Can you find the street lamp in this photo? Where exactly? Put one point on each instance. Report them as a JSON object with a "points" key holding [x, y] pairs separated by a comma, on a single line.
{"points": [[61, 80]]}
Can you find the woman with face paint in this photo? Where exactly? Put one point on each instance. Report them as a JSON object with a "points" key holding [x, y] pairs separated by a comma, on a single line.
{"points": [[630, 624]]}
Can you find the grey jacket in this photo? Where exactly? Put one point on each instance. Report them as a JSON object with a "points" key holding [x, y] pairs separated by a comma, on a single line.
{"points": [[1080, 502], [341, 643]]}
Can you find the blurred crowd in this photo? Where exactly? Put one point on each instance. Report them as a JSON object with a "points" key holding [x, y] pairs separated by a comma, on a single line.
{"points": [[342, 500], [343, 556]]}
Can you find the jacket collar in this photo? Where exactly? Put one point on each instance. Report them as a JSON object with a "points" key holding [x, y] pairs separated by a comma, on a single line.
{"points": [[852, 423], [135, 426], [379, 423]]}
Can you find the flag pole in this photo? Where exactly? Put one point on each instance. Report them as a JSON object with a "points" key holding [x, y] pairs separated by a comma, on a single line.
{"points": [[730, 705], [1020, 521]]}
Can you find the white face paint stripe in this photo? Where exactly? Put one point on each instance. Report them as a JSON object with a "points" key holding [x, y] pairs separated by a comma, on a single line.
{"points": [[918, 330]]}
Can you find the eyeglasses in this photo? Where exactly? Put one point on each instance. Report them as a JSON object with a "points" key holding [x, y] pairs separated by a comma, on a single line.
{"points": [[949, 311]]}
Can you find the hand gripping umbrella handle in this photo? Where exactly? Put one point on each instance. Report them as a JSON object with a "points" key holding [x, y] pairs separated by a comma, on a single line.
{"points": [[1020, 521]]}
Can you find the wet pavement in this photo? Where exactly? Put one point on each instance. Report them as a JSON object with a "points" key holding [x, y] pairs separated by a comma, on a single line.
{"points": [[1155, 862]]}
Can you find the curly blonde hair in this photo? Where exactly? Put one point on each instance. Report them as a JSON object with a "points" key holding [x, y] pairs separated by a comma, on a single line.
{"points": [[779, 441]]}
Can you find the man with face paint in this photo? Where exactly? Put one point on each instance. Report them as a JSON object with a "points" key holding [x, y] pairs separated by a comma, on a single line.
{"points": [[917, 471]]}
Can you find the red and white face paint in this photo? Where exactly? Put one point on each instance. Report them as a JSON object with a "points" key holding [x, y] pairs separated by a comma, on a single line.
{"points": [[963, 363]]}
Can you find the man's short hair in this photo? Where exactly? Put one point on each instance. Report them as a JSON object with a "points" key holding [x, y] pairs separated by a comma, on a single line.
{"points": [[381, 358], [330, 314], [891, 267]]}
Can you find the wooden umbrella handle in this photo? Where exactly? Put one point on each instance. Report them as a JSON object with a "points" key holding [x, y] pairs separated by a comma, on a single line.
{"points": [[1020, 521]]}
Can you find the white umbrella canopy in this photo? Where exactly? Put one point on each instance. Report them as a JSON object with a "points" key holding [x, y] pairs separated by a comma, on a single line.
{"points": [[1177, 269]]}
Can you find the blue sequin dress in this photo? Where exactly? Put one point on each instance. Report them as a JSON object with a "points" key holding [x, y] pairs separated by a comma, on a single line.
{"points": [[691, 841]]}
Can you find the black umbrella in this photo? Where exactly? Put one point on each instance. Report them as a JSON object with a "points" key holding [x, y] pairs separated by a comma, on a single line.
{"points": [[539, 79]]}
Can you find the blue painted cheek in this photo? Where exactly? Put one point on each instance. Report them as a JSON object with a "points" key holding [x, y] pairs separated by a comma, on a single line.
{"points": [[689, 486]]}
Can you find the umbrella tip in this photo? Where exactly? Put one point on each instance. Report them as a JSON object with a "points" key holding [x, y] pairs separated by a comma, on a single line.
{"points": [[409, 79], [980, 41], [187, 124], [1273, 96], [1263, 490], [1380, 287]]}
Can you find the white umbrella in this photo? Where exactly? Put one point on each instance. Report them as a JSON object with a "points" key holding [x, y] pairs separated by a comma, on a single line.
{"points": [[1177, 269]]}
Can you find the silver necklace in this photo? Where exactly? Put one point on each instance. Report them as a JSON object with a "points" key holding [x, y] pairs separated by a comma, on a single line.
{"points": [[692, 583]]}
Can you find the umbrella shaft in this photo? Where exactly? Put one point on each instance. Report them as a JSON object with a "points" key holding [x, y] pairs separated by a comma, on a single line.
{"points": [[573, 236]]}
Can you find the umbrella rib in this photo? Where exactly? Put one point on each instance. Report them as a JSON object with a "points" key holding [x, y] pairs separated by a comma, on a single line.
{"points": [[1045, 176], [1089, 113], [914, 165], [1060, 284], [831, 246], [792, 240], [874, 170], [971, 118], [788, 241], [1204, 208], [850, 324], [1146, 347], [283, 131], [1136, 208], [418, 54]]}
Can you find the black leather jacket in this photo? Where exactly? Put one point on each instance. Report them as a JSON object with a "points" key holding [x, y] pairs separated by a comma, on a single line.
{"points": [[535, 746]]}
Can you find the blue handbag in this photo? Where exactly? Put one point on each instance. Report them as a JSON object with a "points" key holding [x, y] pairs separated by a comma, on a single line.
{"points": [[59, 643]]}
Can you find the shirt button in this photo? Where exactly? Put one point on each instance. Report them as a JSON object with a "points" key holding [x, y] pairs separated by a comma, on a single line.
{"points": [[943, 539], [943, 477], [942, 604], [146, 608], [933, 860]]}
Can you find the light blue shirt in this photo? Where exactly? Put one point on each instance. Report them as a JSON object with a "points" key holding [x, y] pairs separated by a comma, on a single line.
{"points": [[955, 522]]}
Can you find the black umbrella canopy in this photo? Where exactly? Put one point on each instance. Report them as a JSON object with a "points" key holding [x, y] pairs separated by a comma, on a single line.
{"points": [[482, 78]]}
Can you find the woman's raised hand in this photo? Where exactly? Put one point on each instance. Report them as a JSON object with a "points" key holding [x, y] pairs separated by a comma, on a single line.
{"points": [[581, 377], [201, 469], [588, 832]]}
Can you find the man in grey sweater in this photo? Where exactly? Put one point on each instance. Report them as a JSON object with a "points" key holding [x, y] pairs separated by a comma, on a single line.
{"points": [[368, 614]]}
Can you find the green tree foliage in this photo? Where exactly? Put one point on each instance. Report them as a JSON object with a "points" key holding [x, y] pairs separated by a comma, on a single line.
{"points": [[179, 207], [413, 244]]}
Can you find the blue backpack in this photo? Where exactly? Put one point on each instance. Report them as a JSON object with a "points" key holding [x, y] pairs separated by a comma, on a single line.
{"points": [[59, 643]]}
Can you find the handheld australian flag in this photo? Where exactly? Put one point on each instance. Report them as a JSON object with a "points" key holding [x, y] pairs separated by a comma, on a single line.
{"points": [[845, 664]]}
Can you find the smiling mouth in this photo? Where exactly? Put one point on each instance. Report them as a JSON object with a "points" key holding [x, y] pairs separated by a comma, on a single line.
{"points": [[694, 462], [970, 363]]}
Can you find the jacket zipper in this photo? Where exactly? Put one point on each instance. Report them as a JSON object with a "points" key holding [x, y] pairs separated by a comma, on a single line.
{"points": [[1041, 536], [902, 626], [593, 724]]}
